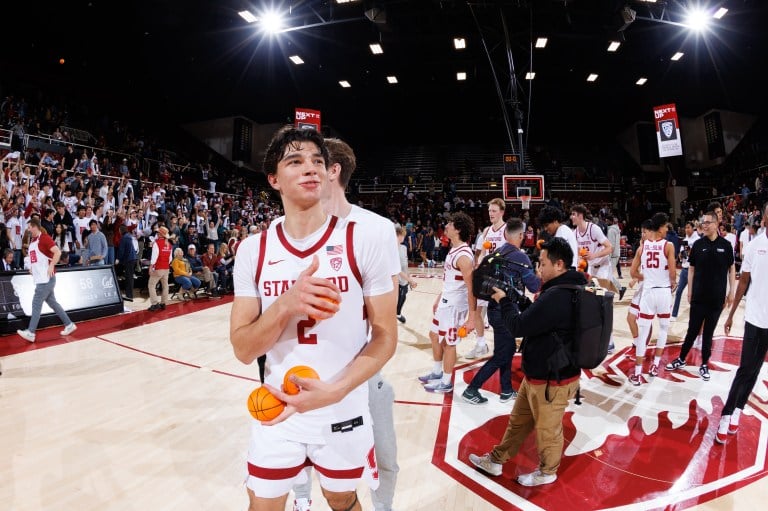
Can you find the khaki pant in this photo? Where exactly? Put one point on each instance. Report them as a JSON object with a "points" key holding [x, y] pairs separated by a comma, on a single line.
{"points": [[533, 411], [154, 277]]}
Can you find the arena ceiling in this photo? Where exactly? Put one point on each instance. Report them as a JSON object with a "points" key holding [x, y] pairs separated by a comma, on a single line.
{"points": [[181, 60]]}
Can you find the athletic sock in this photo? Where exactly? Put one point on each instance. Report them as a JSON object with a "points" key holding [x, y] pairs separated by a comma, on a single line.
{"points": [[438, 367], [657, 360], [446, 379], [481, 341], [735, 416], [638, 370], [634, 341], [723, 427]]}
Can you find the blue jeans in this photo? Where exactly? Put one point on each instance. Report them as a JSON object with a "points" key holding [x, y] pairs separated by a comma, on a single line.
{"points": [[680, 288], [187, 283], [504, 347], [44, 294], [110, 260]]}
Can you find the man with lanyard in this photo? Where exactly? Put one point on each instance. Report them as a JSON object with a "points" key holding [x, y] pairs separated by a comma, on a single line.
{"points": [[504, 345], [43, 256], [711, 273], [493, 238]]}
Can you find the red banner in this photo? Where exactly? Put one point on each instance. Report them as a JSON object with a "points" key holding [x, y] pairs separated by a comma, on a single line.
{"points": [[306, 118], [667, 130]]}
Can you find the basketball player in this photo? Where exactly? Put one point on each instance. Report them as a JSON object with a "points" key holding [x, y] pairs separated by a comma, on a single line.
{"points": [[550, 219], [590, 237], [634, 306], [656, 258], [306, 291], [454, 307], [493, 234], [381, 395]]}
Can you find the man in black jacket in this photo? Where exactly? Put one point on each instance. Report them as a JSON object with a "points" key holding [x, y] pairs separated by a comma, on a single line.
{"points": [[547, 386]]}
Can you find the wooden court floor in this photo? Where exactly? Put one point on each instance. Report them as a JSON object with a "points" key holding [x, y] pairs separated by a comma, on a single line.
{"points": [[147, 412]]}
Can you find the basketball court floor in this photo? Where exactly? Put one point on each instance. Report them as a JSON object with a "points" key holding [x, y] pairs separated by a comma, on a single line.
{"points": [[147, 411]]}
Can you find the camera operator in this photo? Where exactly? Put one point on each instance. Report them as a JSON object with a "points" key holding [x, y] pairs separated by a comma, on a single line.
{"points": [[520, 275], [547, 385]]}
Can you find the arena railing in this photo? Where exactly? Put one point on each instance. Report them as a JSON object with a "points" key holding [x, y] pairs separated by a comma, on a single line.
{"points": [[6, 136]]}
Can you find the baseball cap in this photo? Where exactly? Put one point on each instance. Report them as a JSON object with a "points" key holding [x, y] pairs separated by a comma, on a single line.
{"points": [[191, 247]]}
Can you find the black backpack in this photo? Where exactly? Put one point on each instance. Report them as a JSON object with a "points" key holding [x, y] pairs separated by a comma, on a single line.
{"points": [[593, 324]]}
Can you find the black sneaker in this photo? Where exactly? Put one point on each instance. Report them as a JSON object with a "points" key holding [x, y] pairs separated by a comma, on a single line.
{"points": [[154, 307], [473, 396], [704, 372], [506, 397], [401, 318], [127, 299], [162, 306], [621, 293], [677, 363]]}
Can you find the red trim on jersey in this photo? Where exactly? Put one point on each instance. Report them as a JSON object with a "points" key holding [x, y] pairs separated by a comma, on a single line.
{"points": [[314, 248], [588, 229], [349, 473], [435, 322], [634, 306], [262, 251], [646, 316], [662, 316], [458, 277], [277, 474], [351, 254]]}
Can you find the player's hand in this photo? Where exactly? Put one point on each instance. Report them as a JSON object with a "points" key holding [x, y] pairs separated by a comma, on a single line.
{"points": [[728, 324], [470, 324], [314, 394], [309, 296]]}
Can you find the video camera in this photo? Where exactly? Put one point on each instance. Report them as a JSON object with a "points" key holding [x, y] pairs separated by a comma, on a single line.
{"points": [[497, 271]]}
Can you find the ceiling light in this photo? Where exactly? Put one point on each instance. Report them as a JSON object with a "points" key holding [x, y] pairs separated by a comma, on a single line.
{"points": [[614, 46], [345, 84], [541, 42], [641, 81], [677, 56], [530, 76], [272, 22], [296, 59], [376, 49], [459, 43], [461, 75], [592, 77], [697, 20], [248, 16], [350, 1], [720, 13], [392, 79]]}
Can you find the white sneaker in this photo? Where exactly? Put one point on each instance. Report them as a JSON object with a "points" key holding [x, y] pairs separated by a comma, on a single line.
{"points": [[536, 479], [477, 352], [301, 504], [486, 464], [26, 334], [68, 329]]}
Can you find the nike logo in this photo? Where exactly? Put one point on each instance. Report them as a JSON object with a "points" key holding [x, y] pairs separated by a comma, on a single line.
{"points": [[275, 262]]}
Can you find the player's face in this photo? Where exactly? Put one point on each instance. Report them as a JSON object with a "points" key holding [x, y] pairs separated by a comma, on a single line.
{"points": [[450, 230], [494, 213], [551, 228], [576, 218], [300, 173]]}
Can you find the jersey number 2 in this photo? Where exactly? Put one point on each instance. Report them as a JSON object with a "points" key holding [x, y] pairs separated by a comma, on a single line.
{"points": [[301, 327]]}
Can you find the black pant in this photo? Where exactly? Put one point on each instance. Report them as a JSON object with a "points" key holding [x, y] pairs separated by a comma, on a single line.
{"points": [[504, 348], [753, 350], [707, 315], [262, 362], [128, 274], [401, 293]]}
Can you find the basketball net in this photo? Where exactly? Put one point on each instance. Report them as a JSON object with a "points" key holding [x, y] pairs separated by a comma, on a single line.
{"points": [[526, 201]]}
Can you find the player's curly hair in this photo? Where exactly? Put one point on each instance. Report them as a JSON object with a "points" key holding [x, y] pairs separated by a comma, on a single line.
{"points": [[290, 137], [559, 250], [464, 224]]}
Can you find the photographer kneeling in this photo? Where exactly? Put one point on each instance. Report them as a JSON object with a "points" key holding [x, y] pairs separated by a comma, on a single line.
{"points": [[517, 272], [548, 384]]}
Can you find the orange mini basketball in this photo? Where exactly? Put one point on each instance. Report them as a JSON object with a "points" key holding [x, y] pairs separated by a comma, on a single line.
{"points": [[583, 252], [263, 405], [487, 245], [331, 300], [582, 265], [539, 243], [302, 372], [461, 332]]}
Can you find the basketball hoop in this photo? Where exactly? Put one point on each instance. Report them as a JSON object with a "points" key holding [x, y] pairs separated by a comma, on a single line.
{"points": [[526, 200]]}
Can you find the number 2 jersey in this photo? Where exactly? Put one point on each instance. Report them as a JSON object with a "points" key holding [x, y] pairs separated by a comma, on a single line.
{"points": [[352, 257]]}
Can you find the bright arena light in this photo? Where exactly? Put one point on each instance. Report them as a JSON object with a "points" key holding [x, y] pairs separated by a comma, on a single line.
{"points": [[272, 22], [697, 19]]}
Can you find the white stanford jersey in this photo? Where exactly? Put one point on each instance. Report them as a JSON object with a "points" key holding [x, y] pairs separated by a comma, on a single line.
{"points": [[328, 346], [591, 238], [653, 262], [495, 237], [454, 288]]}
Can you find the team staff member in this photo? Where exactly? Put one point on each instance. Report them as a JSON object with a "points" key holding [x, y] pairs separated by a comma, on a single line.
{"points": [[43, 256], [754, 271], [711, 274], [543, 394], [504, 345]]}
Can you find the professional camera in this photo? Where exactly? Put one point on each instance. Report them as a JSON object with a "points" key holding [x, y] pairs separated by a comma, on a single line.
{"points": [[497, 271]]}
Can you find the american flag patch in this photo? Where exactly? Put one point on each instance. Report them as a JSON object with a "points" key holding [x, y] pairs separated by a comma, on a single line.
{"points": [[334, 249]]}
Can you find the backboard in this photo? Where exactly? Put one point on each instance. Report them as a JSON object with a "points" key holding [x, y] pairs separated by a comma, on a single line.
{"points": [[533, 182]]}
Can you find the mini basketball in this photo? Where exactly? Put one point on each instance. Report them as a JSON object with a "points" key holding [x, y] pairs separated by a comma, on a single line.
{"points": [[582, 265], [263, 405], [486, 245], [539, 243], [462, 332], [331, 300], [583, 252], [302, 372]]}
